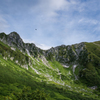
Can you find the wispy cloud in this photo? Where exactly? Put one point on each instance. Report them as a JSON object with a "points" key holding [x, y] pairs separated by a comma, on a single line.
{"points": [[3, 24], [48, 8], [57, 22], [39, 45]]}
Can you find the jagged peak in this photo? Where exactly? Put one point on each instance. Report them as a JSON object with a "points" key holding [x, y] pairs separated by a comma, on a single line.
{"points": [[14, 34], [30, 45], [2, 34]]}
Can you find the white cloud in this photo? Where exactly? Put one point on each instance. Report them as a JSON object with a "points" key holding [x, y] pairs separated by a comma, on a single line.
{"points": [[88, 21], [48, 8], [57, 21], [3, 24], [42, 46]]}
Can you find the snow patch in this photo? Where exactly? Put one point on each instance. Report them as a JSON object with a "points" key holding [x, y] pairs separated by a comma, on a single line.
{"points": [[74, 66], [25, 66], [13, 48], [5, 58], [65, 66], [35, 70], [45, 61], [12, 58], [69, 73], [28, 52], [16, 61], [30, 56], [93, 87]]}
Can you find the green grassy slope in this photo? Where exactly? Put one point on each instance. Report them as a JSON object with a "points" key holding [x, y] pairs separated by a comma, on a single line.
{"points": [[91, 72], [50, 77]]}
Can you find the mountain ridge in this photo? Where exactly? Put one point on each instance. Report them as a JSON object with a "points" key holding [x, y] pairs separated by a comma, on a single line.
{"points": [[13, 39], [68, 66]]}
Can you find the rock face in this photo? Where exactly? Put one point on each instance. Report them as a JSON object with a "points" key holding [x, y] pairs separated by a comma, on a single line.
{"points": [[82, 59], [14, 40], [63, 54], [66, 54]]}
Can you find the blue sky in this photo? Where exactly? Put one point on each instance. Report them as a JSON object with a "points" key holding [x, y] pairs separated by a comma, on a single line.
{"points": [[57, 21]]}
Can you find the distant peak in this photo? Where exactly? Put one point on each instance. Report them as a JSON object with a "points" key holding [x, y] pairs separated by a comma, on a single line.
{"points": [[14, 34], [2, 33]]}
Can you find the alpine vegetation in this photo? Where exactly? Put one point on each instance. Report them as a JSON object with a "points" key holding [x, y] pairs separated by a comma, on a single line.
{"points": [[60, 73]]}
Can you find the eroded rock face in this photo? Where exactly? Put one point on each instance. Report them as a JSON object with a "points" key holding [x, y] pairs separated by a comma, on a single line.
{"points": [[64, 54], [69, 56], [14, 40]]}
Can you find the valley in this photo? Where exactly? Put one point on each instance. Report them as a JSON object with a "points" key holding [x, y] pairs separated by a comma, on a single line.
{"points": [[62, 72]]}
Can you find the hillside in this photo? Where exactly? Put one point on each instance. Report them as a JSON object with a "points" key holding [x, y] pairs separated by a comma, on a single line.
{"points": [[65, 72]]}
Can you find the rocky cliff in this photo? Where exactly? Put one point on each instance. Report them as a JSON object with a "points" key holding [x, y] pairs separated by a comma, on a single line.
{"points": [[64, 54], [83, 58]]}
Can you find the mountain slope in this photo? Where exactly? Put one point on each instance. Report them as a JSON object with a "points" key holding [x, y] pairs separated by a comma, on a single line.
{"points": [[57, 70]]}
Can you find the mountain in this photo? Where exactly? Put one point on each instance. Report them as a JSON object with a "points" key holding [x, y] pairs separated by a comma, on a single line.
{"points": [[65, 72]]}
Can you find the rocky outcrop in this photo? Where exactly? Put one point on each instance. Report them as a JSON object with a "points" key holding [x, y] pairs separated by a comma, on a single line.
{"points": [[64, 54], [14, 40], [83, 58]]}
